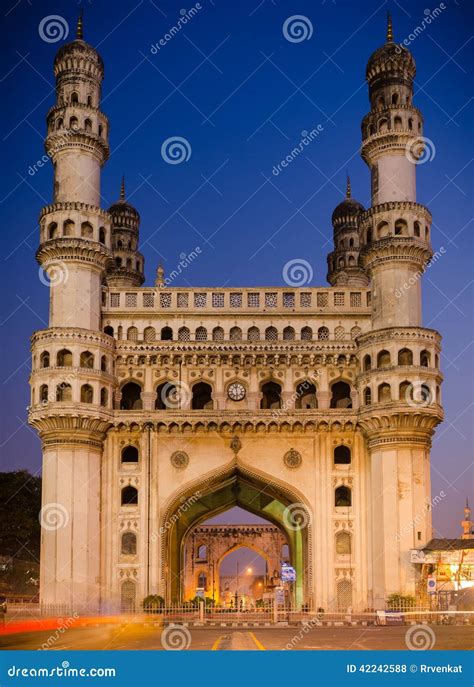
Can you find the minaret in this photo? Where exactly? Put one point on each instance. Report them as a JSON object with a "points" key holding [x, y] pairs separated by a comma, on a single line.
{"points": [[343, 263], [127, 268], [399, 380], [72, 381], [466, 524]]}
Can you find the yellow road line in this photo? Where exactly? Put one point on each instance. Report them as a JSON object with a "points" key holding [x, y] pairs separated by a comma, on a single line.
{"points": [[215, 646], [259, 644]]}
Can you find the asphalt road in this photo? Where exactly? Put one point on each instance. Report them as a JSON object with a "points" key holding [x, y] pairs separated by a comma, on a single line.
{"points": [[139, 636]]}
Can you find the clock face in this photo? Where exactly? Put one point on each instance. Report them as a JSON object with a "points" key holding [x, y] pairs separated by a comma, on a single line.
{"points": [[236, 391]]}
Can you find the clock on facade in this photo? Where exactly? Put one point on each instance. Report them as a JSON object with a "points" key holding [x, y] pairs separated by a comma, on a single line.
{"points": [[236, 391]]}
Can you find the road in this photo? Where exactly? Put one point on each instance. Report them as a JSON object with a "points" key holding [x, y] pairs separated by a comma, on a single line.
{"points": [[141, 636]]}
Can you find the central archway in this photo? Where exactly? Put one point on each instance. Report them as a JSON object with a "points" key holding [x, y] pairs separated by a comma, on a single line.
{"points": [[256, 493]]}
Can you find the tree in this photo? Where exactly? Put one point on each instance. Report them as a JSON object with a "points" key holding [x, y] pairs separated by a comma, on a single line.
{"points": [[20, 504]]}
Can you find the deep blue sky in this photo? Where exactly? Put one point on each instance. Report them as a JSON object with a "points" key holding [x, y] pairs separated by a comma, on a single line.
{"points": [[229, 83]]}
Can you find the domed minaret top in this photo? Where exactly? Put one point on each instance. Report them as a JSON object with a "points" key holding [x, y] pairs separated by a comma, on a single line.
{"points": [[390, 59], [343, 262], [128, 267]]}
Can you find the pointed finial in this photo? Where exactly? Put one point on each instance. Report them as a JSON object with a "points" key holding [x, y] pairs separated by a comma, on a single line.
{"points": [[348, 187], [389, 28], [160, 276], [122, 188], [80, 27]]}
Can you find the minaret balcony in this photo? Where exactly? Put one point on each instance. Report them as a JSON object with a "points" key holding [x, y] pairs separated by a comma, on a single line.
{"points": [[77, 139]]}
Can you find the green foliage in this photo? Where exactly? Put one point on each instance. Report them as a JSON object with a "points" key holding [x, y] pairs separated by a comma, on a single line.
{"points": [[400, 602], [20, 504], [153, 603]]}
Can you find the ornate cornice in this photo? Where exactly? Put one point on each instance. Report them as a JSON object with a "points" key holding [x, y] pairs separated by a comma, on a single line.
{"points": [[401, 334], [73, 335], [63, 249], [78, 206], [65, 139], [396, 248], [399, 205]]}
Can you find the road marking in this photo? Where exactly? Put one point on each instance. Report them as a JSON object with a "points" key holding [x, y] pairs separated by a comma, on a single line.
{"points": [[259, 644]]}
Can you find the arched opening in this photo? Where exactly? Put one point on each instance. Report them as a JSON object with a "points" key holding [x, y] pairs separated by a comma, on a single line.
{"points": [[129, 454], [342, 497], [202, 397], [384, 393], [271, 396], [131, 398], [397, 123], [201, 334], [383, 359], [288, 334], [101, 234], [88, 125], [253, 334], [44, 359], [405, 391], [132, 334], [149, 334], [306, 334], [344, 595], [109, 330], [43, 394], [367, 396], [341, 395], [405, 356], [383, 125], [129, 496], [63, 393], [417, 229], [87, 393], [52, 230], [235, 334], [74, 98], [87, 230], [401, 227], [383, 230], [167, 397], [218, 334], [128, 546], [184, 334], [64, 358], [104, 397], [87, 360], [368, 239], [343, 543], [128, 594], [367, 364], [167, 334], [323, 334], [89, 101], [271, 334], [394, 98], [342, 455], [201, 553], [68, 227], [103, 363], [425, 358], [306, 395]]}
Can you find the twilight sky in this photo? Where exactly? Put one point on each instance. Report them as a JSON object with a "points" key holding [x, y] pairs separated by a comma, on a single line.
{"points": [[241, 95]]}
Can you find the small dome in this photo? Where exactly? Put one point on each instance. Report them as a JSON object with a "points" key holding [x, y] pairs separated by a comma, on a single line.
{"points": [[390, 57], [79, 47], [121, 207], [349, 208]]}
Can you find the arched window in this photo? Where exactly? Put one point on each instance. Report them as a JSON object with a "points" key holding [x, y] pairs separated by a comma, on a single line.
{"points": [[129, 454], [401, 227], [323, 334], [101, 234], [74, 98], [341, 395], [131, 397], [342, 497], [253, 334], [425, 358], [89, 100], [68, 227], [271, 334], [132, 334], [383, 230], [201, 334], [306, 334], [405, 357], [167, 397], [88, 125], [342, 455], [118, 262], [343, 543], [436, 364], [87, 360], [271, 396], [52, 230], [383, 359], [103, 363], [339, 333], [104, 397], [60, 123], [109, 331], [397, 123], [87, 393], [43, 395], [128, 597], [306, 395], [384, 393], [410, 123], [149, 334], [405, 392], [64, 358], [202, 580], [167, 334], [73, 123], [184, 334], [202, 397], [383, 125], [285, 553], [367, 362], [44, 359], [63, 393], [380, 102], [288, 334], [417, 229], [344, 595], [129, 496], [128, 544], [120, 332], [394, 98], [367, 396], [202, 553], [218, 334], [87, 230], [235, 334]]}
